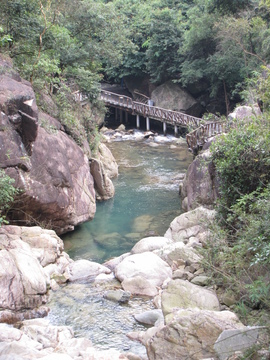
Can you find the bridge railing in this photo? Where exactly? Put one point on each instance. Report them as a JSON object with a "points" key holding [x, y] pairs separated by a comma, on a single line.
{"points": [[116, 99], [154, 112], [199, 136], [195, 139]]}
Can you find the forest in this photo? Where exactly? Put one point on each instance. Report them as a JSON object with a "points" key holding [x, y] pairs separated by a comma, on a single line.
{"points": [[219, 47], [214, 46]]}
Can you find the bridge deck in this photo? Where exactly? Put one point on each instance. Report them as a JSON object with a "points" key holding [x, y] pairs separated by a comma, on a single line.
{"points": [[153, 112], [195, 139]]}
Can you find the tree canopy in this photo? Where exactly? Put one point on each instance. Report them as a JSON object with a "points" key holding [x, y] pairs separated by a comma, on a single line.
{"points": [[219, 43]]}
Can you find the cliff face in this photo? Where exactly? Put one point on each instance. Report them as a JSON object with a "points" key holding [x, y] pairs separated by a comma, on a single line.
{"points": [[48, 166]]}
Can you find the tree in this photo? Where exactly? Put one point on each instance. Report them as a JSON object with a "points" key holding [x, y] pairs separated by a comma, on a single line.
{"points": [[165, 40], [231, 6]]}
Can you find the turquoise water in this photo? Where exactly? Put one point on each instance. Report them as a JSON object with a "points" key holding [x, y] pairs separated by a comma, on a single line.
{"points": [[146, 199]]}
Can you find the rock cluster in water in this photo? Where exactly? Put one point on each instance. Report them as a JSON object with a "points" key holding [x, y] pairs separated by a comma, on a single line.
{"points": [[188, 318]]}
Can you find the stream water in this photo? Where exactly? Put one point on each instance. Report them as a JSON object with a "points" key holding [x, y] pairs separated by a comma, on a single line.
{"points": [[146, 201]]}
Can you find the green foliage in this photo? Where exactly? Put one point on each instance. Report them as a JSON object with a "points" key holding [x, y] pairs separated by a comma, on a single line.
{"points": [[4, 38], [219, 43], [239, 251], [231, 6], [242, 160], [7, 194], [163, 44], [94, 139]]}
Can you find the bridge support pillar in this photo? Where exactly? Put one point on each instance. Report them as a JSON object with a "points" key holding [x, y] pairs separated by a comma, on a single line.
{"points": [[175, 130], [121, 116], [138, 121], [116, 114], [126, 117], [147, 124], [164, 127]]}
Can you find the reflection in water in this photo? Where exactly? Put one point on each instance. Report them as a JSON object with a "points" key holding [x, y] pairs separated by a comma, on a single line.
{"points": [[146, 200]]}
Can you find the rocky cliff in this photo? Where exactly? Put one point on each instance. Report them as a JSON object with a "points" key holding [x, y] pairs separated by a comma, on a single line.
{"points": [[52, 171]]}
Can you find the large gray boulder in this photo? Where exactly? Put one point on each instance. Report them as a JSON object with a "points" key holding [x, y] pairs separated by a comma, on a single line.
{"points": [[171, 96], [150, 243], [200, 185], [183, 294], [25, 254], [106, 157], [245, 112], [190, 334], [191, 224], [178, 251], [103, 168], [103, 184], [23, 282], [142, 272], [85, 270], [235, 340]]}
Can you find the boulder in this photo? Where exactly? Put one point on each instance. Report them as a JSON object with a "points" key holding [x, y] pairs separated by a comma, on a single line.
{"points": [[171, 96], [18, 103], [232, 340], [38, 339], [117, 295], [178, 251], [103, 184], [23, 282], [200, 185], [245, 112], [146, 265], [139, 285], [112, 263], [46, 245], [150, 243], [190, 334], [84, 270], [201, 280], [57, 189], [108, 160], [150, 317], [190, 224], [183, 294], [23, 254]]}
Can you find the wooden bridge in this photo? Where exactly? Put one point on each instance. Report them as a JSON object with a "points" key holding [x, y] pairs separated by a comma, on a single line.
{"points": [[200, 131], [198, 137], [149, 111]]}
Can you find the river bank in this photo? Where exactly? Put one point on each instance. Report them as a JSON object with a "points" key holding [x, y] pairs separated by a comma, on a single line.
{"points": [[184, 316]]}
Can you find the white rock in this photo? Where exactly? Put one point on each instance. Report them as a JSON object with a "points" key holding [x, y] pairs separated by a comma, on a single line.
{"points": [[147, 265], [189, 224], [84, 270], [182, 294], [150, 243], [178, 251]]}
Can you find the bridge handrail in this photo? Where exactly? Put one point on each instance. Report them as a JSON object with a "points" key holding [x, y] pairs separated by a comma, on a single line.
{"points": [[199, 136], [195, 138], [175, 117], [116, 99]]}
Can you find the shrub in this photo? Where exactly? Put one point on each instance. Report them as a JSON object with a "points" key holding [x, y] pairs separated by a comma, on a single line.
{"points": [[7, 194], [239, 251], [242, 162]]}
